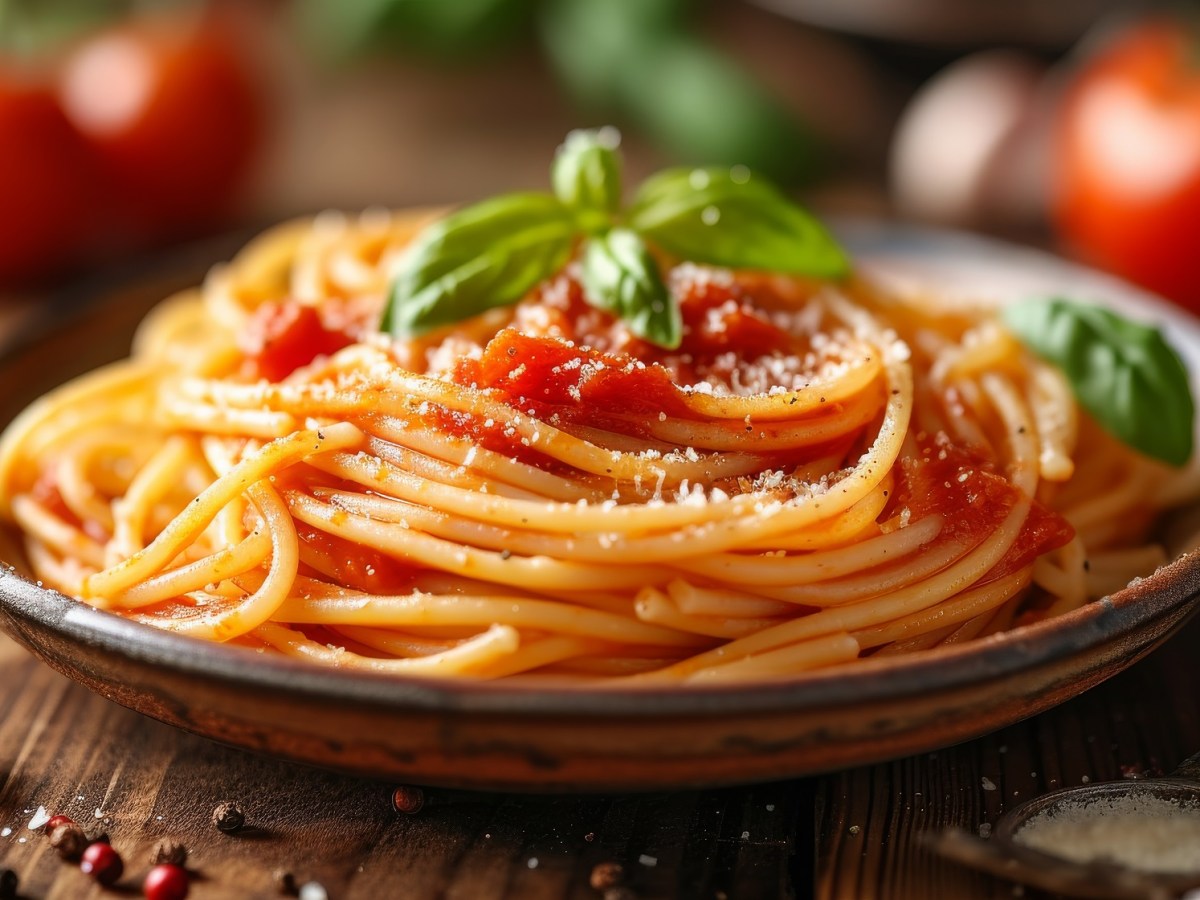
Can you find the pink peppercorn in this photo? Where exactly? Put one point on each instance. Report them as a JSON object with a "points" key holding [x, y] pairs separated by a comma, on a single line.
{"points": [[166, 882], [102, 862]]}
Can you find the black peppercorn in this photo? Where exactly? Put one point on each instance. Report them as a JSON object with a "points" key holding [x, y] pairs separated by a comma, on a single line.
{"points": [[69, 840], [408, 800], [171, 853], [285, 882], [228, 817], [8, 884], [607, 875]]}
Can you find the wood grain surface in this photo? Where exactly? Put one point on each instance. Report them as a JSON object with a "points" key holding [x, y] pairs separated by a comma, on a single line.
{"points": [[853, 834]]}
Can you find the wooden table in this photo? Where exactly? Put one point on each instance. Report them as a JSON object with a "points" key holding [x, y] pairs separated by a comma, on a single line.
{"points": [[853, 834]]}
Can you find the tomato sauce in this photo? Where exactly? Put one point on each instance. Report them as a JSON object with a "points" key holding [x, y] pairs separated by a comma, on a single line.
{"points": [[46, 492], [355, 566], [965, 489], [283, 336], [548, 375]]}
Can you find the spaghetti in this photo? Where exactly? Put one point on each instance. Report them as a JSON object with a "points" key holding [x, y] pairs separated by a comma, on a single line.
{"points": [[819, 473]]}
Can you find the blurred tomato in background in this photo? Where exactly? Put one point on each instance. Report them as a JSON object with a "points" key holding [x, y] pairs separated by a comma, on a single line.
{"points": [[171, 113], [1127, 157], [119, 128], [129, 124], [48, 178]]}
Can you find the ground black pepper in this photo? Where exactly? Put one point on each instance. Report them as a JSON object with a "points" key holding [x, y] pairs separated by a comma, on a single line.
{"points": [[228, 817], [285, 882]]}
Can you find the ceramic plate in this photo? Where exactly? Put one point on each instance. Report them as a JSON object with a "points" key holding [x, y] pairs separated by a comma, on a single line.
{"points": [[497, 736]]}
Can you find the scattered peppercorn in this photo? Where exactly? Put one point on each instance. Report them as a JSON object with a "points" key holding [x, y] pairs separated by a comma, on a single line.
{"points": [[228, 817], [166, 882], [55, 821], [285, 882], [606, 875], [408, 799], [169, 852], [69, 840], [8, 884], [102, 862]]}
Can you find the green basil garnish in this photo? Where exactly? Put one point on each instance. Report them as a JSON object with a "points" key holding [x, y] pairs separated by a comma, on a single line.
{"points": [[620, 275], [587, 173], [733, 218], [493, 253], [487, 255], [1125, 374]]}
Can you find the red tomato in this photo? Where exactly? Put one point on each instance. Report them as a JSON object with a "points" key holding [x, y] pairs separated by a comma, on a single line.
{"points": [[170, 108], [46, 185], [1128, 159]]}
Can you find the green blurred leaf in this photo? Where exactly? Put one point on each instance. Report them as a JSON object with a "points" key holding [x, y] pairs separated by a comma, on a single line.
{"points": [[452, 28], [589, 41], [636, 58], [707, 109], [30, 29]]}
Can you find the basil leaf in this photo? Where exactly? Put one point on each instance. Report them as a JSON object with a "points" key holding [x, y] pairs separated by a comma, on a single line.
{"points": [[484, 256], [729, 217], [619, 274], [587, 173], [1124, 373]]}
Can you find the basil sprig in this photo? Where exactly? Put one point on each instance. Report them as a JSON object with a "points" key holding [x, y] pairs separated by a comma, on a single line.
{"points": [[1125, 374], [493, 253]]}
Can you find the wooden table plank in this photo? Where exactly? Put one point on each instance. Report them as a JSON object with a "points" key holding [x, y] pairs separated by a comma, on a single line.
{"points": [[1144, 721], [70, 751], [854, 834]]}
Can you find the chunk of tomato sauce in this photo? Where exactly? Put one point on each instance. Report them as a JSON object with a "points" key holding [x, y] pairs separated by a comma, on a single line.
{"points": [[48, 495], [355, 566], [282, 336], [719, 316], [490, 435], [585, 386], [964, 488]]}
